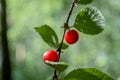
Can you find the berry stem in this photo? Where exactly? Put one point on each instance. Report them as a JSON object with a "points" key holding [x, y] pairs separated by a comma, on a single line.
{"points": [[70, 12], [66, 26]]}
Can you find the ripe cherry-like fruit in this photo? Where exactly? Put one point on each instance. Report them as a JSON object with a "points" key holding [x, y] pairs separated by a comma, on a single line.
{"points": [[50, 55], [71, 37]]}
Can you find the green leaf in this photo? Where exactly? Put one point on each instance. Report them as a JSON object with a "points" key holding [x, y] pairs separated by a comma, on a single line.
{"points": [[84, 2], [87, 74], [64, 46], [59, 66], [90, 21], [48, 35]]}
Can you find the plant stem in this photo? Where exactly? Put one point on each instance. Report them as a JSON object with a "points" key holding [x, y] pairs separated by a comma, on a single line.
{"points": [[66, 26], [70, 12]]}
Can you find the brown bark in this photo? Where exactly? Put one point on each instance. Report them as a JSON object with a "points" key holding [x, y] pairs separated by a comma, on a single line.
{"points": [[6, 68]]}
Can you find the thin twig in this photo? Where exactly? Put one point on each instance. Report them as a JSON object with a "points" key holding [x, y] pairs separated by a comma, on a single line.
{"points": [[66, 26]]}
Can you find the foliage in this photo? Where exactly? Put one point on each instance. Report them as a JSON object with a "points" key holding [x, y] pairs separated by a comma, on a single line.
{"points": [[64, 46], [87, 74], [59, 66], [48, 35], [52, 39], [101, 51], [89, 21]]}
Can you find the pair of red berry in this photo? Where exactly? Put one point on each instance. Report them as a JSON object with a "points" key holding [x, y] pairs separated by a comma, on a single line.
{"points": [[70, 37]]}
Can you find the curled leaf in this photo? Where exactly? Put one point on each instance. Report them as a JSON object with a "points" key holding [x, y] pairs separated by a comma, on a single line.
{"points": [[59, 66]]}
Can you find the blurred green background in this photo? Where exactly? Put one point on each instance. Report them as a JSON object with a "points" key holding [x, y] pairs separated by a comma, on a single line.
{"points": [[27, 47]]}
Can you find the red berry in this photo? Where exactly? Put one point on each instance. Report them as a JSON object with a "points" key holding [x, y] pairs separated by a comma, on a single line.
{"points": [[71, 36], [50, 55]]}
